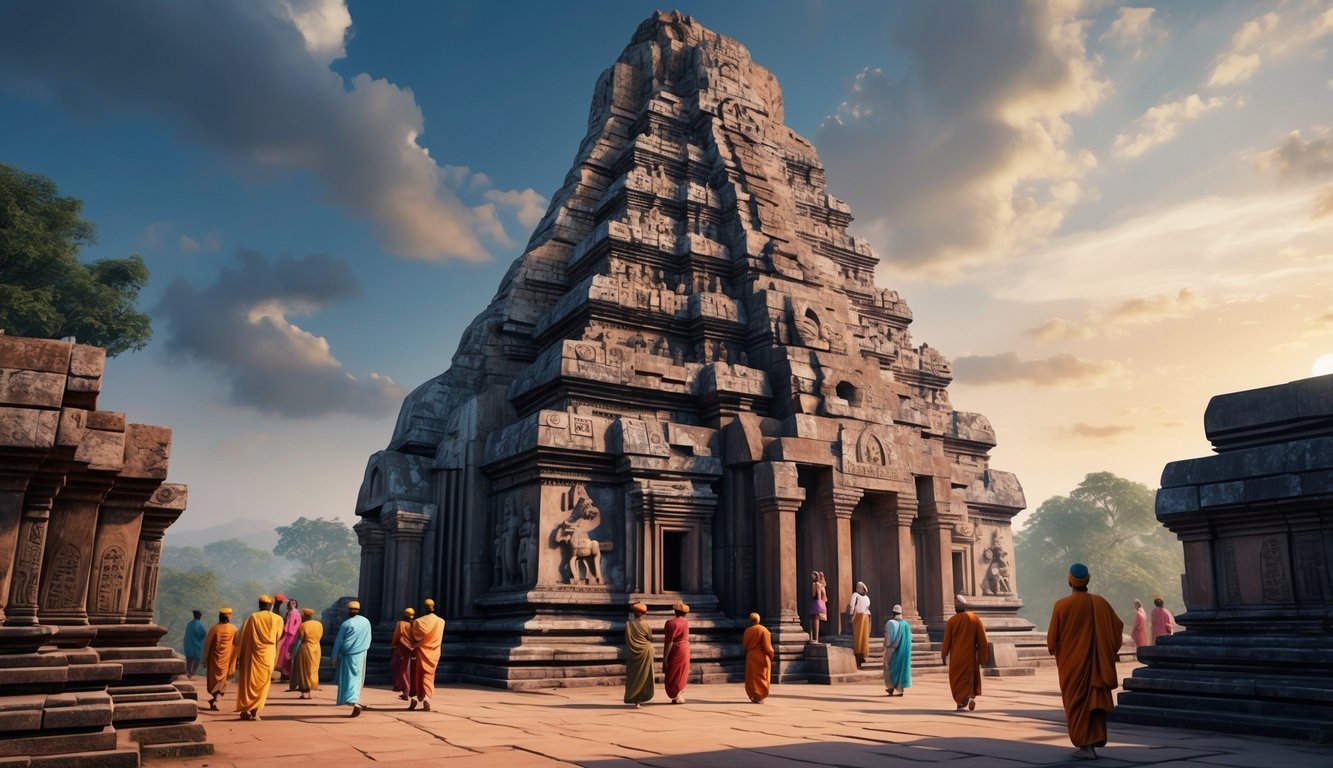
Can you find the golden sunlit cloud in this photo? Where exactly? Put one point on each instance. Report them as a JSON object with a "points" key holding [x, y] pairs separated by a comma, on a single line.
{"points": [[1323, 366]]}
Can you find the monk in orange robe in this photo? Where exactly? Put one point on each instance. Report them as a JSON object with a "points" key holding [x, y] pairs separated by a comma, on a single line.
{"points": [[306, 654], [427, 637], [1085, 637], [400, 654], [220, 656], [966, 648], [256, 654], [758, 644]]}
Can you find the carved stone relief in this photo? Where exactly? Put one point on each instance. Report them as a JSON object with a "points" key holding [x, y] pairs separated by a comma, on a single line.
{"points": [[64, 579], [110, 580], [1273, 568], [581, 555], [996, 560]]}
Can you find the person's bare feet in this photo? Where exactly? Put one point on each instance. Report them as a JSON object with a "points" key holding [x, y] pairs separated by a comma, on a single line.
{"points": [[356, 710], [412, 704], [1084, 753], [425, 705]]}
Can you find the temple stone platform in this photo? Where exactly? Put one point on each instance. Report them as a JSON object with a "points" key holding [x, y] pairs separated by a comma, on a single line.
{"points": [[1256, 521], [83, 509], [1018, 723]]}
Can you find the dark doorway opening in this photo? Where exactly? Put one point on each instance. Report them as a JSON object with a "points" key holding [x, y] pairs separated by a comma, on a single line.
{"points": [[959, 574], [673, 561]]}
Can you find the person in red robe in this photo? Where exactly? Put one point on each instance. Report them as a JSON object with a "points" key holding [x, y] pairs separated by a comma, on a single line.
{"points": [[1163, 623], [1085, 636], [1140, 631], [676, 654]]}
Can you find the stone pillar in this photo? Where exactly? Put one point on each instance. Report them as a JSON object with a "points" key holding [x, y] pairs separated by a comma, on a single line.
{"points": [[370, 586], [69, 544], [21, 610], [163, 508], [404, 531], [778, 497], [936, 535], [119, 522], [895, 522], [838, 505], [13, 484]]}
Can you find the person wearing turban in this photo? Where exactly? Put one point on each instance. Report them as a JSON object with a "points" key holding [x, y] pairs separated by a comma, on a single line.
{"points": [[638, 657], [1085, 637], [427, 637], [966, 648], [193, 646], [897, 654], [256, 652], [219, 656], [349, 657], [400, 654], [306, 653], [1163, 623], [859, 609], [758, 644], [676, 654]]}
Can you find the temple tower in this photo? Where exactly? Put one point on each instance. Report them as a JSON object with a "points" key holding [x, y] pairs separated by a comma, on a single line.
{"points": [[690, 388]]}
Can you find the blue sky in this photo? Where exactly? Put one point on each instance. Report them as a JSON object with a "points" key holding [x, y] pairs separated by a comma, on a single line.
{"points": [[1102, 213]]}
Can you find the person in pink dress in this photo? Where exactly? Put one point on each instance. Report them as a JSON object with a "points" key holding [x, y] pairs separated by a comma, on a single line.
{"points": [[1162, 621], [288, 639], [676, 654], [1140, 631]]}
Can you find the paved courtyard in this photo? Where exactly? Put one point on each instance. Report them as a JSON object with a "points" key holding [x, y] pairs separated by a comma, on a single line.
{"points": [[1018, 723]]}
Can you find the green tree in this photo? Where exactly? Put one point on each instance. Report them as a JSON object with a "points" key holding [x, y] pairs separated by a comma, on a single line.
{"points": [[315, 543], [178, 593], [45, 291], [1107, 523]]}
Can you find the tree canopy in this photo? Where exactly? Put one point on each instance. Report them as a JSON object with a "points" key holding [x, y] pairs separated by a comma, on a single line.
{"points": [[45, 291], [1108, 524], [315, 542]]}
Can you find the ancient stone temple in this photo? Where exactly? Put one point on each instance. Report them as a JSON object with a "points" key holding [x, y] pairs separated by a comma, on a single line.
{"points": [[1256, 522], [689, 388], [83, 509]]}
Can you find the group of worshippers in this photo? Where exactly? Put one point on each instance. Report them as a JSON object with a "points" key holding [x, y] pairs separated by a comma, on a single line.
{"points": [[1084, 636], [1163, 623], [289, 643], [639, 689]]}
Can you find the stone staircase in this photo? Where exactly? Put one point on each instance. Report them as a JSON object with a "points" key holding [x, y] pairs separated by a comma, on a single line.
{"points": [[1275, 685]]}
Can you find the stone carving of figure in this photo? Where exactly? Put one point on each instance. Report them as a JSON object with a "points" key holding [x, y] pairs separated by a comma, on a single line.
{"points": [[526, 533], [660, 346], [582, 553], [807, 329], [497, 552], [996, 581], [660, 282], [677, 356], [509, 539]]}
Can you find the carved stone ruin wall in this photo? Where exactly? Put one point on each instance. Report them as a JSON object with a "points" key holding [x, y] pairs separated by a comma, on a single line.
{"points": [[688, 387], [1256, 524], [83, 509]]}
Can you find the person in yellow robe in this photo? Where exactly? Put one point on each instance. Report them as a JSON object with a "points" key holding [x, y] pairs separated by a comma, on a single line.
{"points": [[1085, 637], [256, 653], [859, 609], [966, 648], [638, 657], [306, 654], [426, 638], [219, 656], [758, 644]]}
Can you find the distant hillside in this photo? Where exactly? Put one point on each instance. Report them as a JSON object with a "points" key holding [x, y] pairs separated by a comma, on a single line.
{"points": [[255, 532]]}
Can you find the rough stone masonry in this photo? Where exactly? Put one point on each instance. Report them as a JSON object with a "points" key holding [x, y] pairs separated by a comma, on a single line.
{"points": [[83, 509], [688, 387]]}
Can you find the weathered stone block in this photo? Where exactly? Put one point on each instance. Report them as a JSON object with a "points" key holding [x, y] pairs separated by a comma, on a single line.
{"points": [[88, 361], [31, 388], [27, 428], [18, 353]]}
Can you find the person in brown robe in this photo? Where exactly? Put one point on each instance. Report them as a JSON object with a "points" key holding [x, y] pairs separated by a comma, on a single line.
{"points": [[427, 636], [1085, 637], [965, 648], [219, 656], [401, 653], [638, 657], [758, 644]]}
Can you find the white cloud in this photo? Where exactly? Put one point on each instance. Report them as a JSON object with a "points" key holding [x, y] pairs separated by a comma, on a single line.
{"points": [[189, 244], [1134, 27], [1055, 329], [973, 137], [1270, 36], [1161, 123], [487, 221], [241, 325], [528, 205], [1218, 246], [1009, 368], [1297, 158], [254, 82]]}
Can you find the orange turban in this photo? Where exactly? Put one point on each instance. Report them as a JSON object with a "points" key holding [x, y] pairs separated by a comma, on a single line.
{"points": [[639, 608], [308, 612]]}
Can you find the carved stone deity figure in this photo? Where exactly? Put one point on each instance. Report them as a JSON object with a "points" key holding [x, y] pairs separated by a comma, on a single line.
{"points": [[582, 553], [527, 531], [996, 581], [508, 539]]}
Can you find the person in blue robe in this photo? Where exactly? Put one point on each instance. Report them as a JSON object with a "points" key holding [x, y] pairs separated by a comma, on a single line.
{"points": [[349, 657]]}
